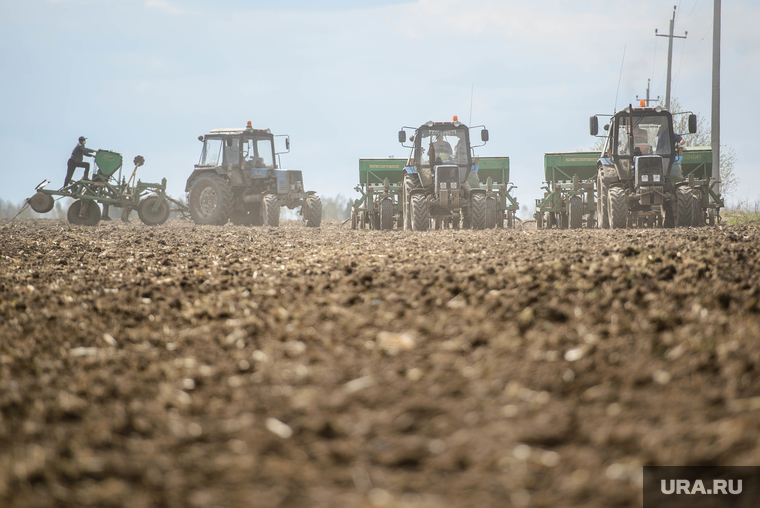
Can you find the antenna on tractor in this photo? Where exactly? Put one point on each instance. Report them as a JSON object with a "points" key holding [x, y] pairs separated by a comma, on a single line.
{"points": [[619, 78], [472, 89]]}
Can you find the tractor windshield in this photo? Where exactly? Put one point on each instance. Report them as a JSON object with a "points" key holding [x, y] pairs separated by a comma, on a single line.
{"points": [[211, 155], [443, 146], [651, 135], [258, 152]]}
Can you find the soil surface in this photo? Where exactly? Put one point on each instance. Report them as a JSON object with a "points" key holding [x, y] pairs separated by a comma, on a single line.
{"points": [[187, 366]]}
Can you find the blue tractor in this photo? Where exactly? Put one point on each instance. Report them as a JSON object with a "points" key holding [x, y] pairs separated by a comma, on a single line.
{"points": [[238, 179]]}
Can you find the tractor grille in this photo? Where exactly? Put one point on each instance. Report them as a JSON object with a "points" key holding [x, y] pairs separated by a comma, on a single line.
{"points": [[648, 171], [447, 185]]}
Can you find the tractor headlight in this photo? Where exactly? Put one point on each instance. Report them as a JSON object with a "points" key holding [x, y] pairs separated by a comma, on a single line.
{"points": [[644, 178], [442, 185], [655, 178], [453, 185]]}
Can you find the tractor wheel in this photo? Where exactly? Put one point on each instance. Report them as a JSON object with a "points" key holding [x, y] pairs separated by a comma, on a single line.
{"points": [[697, 216], [41, 202], [684, 205], [313, 212], [490, 213], [618, 207], [354, 219], [420, 213], [603, 217], [410, 182], [210, 200], [575, 211], [478, 211], [148, 216], [270, 210], [90, 217], [386, 214]]}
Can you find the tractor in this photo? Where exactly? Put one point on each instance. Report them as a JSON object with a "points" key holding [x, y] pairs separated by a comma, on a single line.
{"points": [[639, 182], [440, 179], [238, 179]]}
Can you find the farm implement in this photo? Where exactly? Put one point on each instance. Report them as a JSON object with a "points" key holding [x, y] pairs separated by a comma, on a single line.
{"points": [[569, 191], [109, 189]]}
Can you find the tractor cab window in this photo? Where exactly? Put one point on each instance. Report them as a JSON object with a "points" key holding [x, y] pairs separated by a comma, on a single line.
{"points": [[443, 147], [232, 151], [651, 135], [212, 152], [258, 153]]}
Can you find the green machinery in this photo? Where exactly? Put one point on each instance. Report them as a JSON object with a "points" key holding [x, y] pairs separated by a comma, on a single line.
{"points": [[696, 165], [109, 189], [569, 190], [493, 176], [381, 184]]}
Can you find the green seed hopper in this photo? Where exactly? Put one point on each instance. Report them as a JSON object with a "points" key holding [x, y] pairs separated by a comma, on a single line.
{"points": [[108, 188], [569, 190], [380, 184], [493, 175], [696, 165]]}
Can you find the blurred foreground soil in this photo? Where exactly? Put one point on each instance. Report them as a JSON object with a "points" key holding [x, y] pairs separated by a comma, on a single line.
{"points": [[185, 366]]}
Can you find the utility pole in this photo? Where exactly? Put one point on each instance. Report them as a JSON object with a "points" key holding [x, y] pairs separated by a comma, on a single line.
{"points": [[648, 100], [715, 114], [670, 37]]}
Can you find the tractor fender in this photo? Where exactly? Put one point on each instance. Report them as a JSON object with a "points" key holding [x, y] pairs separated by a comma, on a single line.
{"points": [[198, 172], [609, 175]]}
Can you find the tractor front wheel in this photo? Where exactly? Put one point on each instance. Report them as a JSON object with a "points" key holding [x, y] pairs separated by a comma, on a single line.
{"points": [[312, 212], [478, 211], [270, 210], [575, 211], [618, 208], [420, 213]]}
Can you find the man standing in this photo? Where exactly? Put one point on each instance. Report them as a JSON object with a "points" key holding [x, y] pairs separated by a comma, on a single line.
{"points": [[76, 160]]}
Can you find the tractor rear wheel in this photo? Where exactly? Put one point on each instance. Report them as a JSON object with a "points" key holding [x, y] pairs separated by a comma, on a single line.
{"points": [[148, 216], [210, 200], [478, 211], [490, 213], [575, 211], [684, 206], [386, 214], [313, 211], [83, 213], [270, 210], [618, 207], [420, 212], [41, 202]]}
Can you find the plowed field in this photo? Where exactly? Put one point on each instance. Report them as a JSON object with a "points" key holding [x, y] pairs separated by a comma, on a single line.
{"points": [[237, 367]]}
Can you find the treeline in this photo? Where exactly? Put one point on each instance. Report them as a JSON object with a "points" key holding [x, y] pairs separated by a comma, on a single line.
{"points": [[334, 208], [8, 210]]}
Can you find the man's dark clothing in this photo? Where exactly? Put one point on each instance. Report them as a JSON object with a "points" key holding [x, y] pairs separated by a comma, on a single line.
{"points": [[75, 161]]}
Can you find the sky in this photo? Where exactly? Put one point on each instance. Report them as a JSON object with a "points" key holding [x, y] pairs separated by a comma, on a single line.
{"points": [[341, 77]]}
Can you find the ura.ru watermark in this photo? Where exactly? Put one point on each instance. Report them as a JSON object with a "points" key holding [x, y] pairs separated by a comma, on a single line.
{"points": [[698, 487]]}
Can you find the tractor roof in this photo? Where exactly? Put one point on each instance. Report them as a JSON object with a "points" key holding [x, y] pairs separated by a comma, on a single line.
{"points": [[239, 131]]}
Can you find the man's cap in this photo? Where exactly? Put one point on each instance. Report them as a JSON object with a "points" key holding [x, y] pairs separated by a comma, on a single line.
{"points": [[82, 138]]}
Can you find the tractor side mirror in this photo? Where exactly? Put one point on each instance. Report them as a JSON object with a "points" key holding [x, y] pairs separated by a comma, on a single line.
{"points": [[593, 125], [402, 136], [287, 143], [200, 138], [484, 135], [692, 124]]}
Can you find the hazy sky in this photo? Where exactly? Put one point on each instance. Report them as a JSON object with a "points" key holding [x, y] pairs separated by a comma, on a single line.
{"points": [[148, 76]]}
